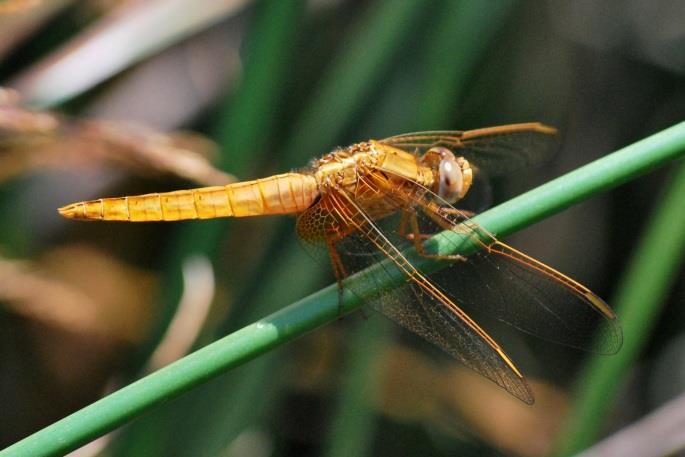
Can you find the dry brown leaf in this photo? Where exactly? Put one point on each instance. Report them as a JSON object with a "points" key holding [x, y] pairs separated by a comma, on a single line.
{"points": [[456, 399], [191, 313], [16, 6], [80, 290], [19, 25], [503, 420], [33, 295], [317, 359], [33, 139], [9, 97], [136, 29]]}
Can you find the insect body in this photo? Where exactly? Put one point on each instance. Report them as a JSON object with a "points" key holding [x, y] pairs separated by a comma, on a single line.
{"points": [[366, 203]]}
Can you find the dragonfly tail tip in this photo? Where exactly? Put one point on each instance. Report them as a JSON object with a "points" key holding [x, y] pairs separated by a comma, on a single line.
{"points": [[73, 211]]}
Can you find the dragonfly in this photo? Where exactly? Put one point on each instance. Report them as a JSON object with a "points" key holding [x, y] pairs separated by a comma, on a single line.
{"points": [[363, 207]]}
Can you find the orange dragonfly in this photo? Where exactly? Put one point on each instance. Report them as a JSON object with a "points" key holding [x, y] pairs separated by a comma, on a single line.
{"points": [[364, 204]]}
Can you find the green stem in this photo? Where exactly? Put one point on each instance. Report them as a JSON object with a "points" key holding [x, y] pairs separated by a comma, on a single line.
{"points": [[322, 306], [641, 295]]}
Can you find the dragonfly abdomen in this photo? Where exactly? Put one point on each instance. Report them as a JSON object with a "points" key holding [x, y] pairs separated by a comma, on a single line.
{"points": [[280, 194]]}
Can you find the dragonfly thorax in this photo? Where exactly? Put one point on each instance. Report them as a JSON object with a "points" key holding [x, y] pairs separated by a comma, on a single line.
{"points": [[341, 168]]}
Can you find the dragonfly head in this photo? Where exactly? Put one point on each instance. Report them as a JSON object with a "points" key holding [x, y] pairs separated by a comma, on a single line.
{"points": [[453, 175]]}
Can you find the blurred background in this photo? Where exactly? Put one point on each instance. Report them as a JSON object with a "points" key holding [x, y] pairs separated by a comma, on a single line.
{"points": [[115, 97]]}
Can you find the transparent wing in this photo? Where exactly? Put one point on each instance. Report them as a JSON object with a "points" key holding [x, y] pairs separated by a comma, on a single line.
{"points": [[504, 283], [496, 150], [415, 302]]}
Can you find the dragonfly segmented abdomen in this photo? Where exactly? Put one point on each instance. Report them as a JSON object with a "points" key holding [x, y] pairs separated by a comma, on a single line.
{"points": [[281, 194]]}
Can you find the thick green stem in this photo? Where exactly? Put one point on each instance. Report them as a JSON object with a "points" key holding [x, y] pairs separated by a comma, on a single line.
{"points": [[322, 307]]}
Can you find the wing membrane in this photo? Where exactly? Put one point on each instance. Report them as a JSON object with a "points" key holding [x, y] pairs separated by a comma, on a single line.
{"points": [[496, 150], [417, 304], [505, 283]]}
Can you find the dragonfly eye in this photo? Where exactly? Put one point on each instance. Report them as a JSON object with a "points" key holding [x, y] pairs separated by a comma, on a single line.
{"points": [[450, 182]]}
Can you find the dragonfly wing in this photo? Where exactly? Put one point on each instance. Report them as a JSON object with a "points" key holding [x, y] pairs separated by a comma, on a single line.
{"points": [[504, 283], [415, 302], [496, 150]]}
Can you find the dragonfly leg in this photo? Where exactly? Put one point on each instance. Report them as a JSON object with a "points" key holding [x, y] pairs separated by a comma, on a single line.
{"points": [[465, 212], [419, 238], [409, 218], [461, 215], [338, 271], [404, 220], [457, 220], [478, 234]]}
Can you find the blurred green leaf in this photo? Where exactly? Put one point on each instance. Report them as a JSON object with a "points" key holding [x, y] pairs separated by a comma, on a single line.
{"points": [[641, 295], [352, 429], [458, 40], [348, 82]]}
